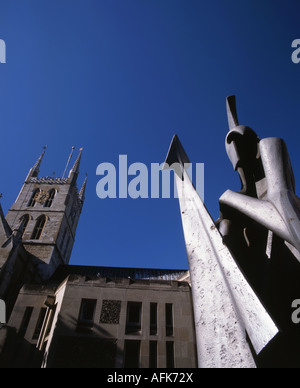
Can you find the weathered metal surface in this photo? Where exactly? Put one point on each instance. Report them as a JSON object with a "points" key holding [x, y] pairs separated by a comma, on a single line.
{"points": [[260, 224], [225, 306], [279, 209]]}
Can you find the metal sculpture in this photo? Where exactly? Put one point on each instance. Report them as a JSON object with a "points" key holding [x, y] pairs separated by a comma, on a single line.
{"points": [[244, 267], [268, 184]]}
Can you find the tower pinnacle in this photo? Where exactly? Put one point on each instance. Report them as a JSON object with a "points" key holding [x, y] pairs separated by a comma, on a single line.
{"points": [[75, 169], [34, 171], [83, 188]]}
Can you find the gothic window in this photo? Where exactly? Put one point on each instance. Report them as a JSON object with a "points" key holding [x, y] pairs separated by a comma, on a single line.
{"points": [[24, 223], [39, 226], [32, 200], [49, 201]]}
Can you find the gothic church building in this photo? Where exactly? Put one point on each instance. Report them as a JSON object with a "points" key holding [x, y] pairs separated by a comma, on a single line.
{"points": [[61, 315]]}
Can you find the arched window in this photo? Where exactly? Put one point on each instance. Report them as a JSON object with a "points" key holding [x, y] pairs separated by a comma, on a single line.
{"points": [[50, 199], [24, 222], [32, 200], [38, 229]]}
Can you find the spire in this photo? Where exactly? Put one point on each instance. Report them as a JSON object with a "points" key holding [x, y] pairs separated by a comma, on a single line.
{"points": [[82, 190], [75, 169], [34, 171]]}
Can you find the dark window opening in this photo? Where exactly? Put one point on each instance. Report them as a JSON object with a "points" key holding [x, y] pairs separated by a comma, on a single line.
{"points": [[153, 318], [24, 223], [50, 199], [32, 200], [169, 319], [39, 323], [25, 321], [170, 354], [86, 315], [38, 229], [153, 354], [132, 354], [134, 318]]}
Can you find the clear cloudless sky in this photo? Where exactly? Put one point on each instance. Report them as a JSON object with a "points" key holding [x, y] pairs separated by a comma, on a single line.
{"points": [[121, 77]]}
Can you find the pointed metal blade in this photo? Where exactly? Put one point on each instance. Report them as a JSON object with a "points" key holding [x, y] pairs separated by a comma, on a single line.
{"points": [[225, 306], [177, 158], [231, 112]]}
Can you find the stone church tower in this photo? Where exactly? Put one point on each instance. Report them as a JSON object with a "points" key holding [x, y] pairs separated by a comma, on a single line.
{"points": [[38, 232], [77, 316]]}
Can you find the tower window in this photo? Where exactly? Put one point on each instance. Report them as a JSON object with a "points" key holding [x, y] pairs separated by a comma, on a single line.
{"points": [[50, 199], [38, 229], [24, 223], [32, 200]]}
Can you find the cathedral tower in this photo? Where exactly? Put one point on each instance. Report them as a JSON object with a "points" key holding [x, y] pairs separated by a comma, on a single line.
{"points": [[45, 217]]}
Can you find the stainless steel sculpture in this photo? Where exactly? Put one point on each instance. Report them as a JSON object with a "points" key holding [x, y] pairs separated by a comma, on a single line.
{"points": [[243, 267], [268, 199]]}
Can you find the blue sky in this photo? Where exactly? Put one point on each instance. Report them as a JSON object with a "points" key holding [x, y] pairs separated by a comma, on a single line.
{"points": [[121, 77]]}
